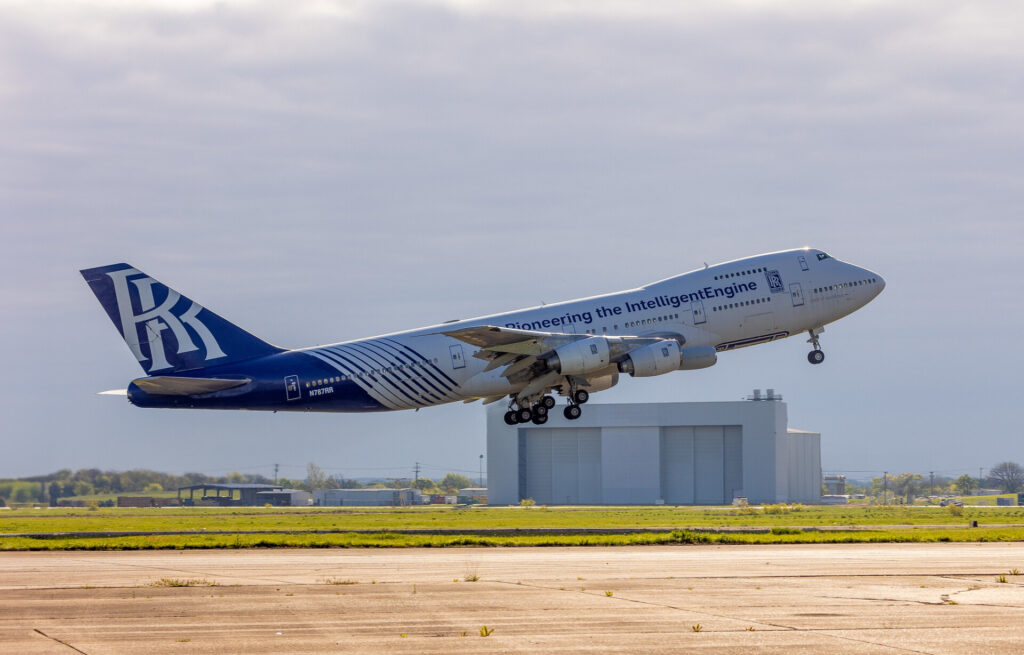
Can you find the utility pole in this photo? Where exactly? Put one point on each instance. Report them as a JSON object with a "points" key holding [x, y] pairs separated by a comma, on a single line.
{"points": [[931, 483], [481, 470], [275, 473], [885, 492], [416, 470]]}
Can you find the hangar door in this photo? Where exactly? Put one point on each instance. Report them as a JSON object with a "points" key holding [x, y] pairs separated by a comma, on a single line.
{"points": [[562, 465], [701, 465]]}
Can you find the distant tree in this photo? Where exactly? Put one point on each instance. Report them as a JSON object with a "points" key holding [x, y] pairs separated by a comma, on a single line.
{"points": [[153, 488], [1008, 476], [965, 484], [426, 485], [455, 481], [349, 484], [906, 484], [316, 478]]}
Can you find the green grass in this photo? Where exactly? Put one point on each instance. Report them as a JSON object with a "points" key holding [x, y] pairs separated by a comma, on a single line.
{"points": [[788, 524], [392, 540], [448, 517]]}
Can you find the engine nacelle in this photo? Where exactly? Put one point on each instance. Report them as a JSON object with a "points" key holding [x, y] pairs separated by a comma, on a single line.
{"points": [[698, 357], [580, 357], [655, 359]]}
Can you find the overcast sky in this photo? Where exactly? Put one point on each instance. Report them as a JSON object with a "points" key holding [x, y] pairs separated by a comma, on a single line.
{"points": [[318, 171]]}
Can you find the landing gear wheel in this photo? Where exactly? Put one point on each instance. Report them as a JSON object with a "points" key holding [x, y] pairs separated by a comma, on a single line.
{"points": [[815, 357], [540, 409], [572, 412], [540, 419], [580, 396], [510, 418], [524, 414], [548, 401]]}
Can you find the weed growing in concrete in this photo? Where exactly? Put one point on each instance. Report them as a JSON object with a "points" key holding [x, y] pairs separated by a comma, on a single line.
{"points": [[183, 582], [485, 631], [338, 581], [1014, 572], [696, 627], [1001, 577], [608, 593]]}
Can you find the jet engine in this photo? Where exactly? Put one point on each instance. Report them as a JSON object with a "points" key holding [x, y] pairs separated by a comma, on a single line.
{"points": [[580, 357], [655, 359], [664, 357], [698, 357]]}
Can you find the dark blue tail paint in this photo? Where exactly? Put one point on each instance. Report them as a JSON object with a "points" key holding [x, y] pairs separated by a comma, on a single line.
{"points": [[171, 335], [167, 332]]}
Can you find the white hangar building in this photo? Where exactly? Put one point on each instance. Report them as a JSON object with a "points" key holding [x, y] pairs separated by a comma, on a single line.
{"points": [[653, 453]]}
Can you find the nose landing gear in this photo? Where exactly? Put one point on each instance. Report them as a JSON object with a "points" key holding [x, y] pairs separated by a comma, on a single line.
{"points": [[816, 356]]}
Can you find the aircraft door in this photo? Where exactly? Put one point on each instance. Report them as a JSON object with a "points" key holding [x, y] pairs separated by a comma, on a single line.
{"points": [[291, 387], [458, 358], [697, 308], [797, 294]]}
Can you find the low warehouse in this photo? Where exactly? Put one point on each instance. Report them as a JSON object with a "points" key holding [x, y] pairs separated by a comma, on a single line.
{"points": [[367, 497], [656, 453]]}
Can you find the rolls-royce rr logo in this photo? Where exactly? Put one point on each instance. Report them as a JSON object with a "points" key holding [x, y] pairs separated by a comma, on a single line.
{"points": [[774, 281], [144, 331]]}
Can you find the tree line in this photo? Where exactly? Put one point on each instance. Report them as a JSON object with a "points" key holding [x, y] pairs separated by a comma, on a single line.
{"points": [[66, 483], [1008, 477]]}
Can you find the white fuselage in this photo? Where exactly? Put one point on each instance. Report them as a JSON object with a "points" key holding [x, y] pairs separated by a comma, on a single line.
{"points": [[727, 306]]}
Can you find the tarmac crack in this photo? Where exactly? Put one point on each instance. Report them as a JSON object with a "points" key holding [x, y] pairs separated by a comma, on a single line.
{"points": [[64, 643], [823, 631]]}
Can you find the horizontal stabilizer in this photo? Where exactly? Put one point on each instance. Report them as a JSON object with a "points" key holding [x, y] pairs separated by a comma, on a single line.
{"points": [[176, 386]]}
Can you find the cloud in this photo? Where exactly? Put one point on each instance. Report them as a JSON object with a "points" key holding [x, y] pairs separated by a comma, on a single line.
{"points": [[364, 167]]}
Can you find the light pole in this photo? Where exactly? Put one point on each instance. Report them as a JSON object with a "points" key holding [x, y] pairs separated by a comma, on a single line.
{"points": [[481, 471]]}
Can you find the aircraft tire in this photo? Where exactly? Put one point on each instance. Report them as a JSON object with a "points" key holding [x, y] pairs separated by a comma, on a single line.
{"points": [[548, 402], [510, 418], [540, 419], [572, 412], [816, 357], [540, 409], [524, 415], [581, 396]]}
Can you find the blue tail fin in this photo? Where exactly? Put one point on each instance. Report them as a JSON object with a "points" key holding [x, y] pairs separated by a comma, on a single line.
{"points": [[166, 331]]}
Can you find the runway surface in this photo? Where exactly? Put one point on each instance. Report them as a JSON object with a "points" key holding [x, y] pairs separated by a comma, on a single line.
{"points": [[856, 598]]}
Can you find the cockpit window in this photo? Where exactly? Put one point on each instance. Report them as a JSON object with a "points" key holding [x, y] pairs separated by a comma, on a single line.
{"points": [[823, 255]]}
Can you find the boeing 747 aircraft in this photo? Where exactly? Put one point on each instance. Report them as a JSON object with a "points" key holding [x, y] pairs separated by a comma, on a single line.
{"points": [[193, 358]]}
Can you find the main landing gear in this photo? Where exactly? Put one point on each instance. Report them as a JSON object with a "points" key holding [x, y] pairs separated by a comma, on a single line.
{"points": [[538, 412], [573, 410], [816, 356]]}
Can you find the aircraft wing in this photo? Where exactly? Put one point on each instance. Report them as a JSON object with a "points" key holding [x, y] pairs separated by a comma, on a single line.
{"points": [[518, 351]]}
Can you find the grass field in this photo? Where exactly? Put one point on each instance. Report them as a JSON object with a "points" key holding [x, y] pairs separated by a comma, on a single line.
{"points": [[789, 524]]}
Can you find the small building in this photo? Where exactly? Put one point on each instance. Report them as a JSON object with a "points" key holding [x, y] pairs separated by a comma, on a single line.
{"points": [[284, 498], [224, 494], [835, 485], [367, 497], [473, 495]]}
